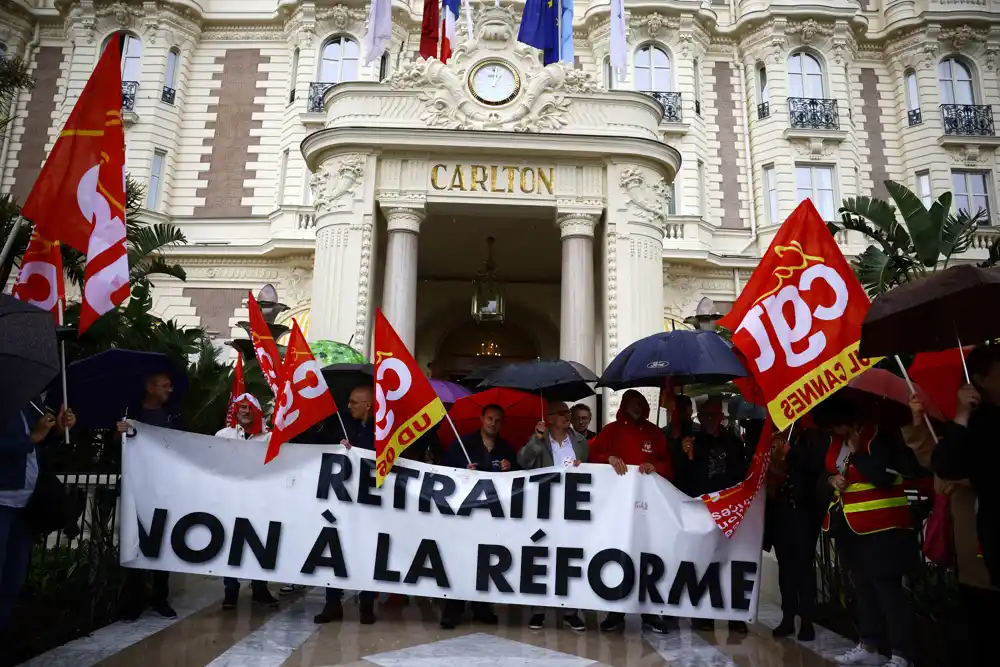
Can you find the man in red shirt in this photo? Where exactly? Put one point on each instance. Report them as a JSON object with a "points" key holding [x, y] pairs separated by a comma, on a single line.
{"points": [[633, 440]]}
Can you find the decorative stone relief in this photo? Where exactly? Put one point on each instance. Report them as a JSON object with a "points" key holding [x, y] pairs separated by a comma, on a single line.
{"points": [[992, 52], [333, 186], [611, 286], [682, 292], [577, 224], [962, 35], [656, 25], [341, 17], [120, 13], [813, 148], [364, 278], [649, 200], [808, 30], [969, 155], [299, 284]]}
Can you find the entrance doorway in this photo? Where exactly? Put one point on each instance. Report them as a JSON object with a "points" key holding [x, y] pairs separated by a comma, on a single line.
{"points": [[473, 347]]}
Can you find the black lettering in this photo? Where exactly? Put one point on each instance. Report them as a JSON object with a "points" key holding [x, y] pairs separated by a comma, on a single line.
{"points": [[334, 479], [150, 543], [434, 569], [487, 570], [403, 475], [742, 580], [367, 483], [382, 571], [517, 498], [178, 537], [530, 570], [545, 483], [595, 575], [244, 536], [687, 577], [328, 538], [576, 495], [482, 496], [651, 570], [566, 570], [431, 492]]}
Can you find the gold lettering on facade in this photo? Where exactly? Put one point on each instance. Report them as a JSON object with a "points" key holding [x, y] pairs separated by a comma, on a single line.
{"points": [[525, 188], [493, 180], [478, 177], [547, 182], [490, 178], [435, 170], [511, 174], [458, 179]]}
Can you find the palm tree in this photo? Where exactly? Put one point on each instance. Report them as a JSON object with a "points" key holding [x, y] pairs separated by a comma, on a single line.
{"points": [[925, 240], [13, 77]]}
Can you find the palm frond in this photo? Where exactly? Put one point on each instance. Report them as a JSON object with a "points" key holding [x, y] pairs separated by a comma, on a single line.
{"points": [[959, 233], [925, 227], [882, 216], [155, 266], [879, 272]]}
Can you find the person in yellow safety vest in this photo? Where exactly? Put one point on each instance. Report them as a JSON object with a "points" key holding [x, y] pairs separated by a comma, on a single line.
{"points": [[869, 519]]}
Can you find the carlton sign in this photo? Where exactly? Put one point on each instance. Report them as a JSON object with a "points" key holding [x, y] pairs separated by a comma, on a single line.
{"points": [[493, 179]]}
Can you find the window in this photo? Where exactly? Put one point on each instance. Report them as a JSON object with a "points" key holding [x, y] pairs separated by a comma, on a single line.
{"points": [[805, 76], [816, 183], [762, 84], [383, 67], [924, 188], [652, 69], [609, 74], [340, 61], [912, 99], [294, 75], [702, 186], [771, 190], [282, 176], [131, 58], [956, 82], [672, 205], [170, 82], [697, 87], [971, 191], [155, 178]]}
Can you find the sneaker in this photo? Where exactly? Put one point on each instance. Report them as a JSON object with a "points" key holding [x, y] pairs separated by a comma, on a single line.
{"points": [[807, 632], [536, 622], [897, 661], [574, 623], [613, 622], [739, 627], [859, 655], [703, 624], [655, 624], [163, 609], [786, 628], [366, 614], [332, 611], [264, 597], [229, 601]]}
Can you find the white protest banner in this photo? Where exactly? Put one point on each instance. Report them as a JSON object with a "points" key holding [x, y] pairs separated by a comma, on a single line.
{"points": [[579, 537]]}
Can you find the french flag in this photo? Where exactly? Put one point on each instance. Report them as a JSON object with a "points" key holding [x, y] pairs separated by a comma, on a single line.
{"points": [[449, 20]]}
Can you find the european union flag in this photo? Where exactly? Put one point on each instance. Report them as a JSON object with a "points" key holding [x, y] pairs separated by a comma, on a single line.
{"points": [[540, 27]]}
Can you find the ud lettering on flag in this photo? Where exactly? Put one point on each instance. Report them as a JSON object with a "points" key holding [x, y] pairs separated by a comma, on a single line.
{"points": [[40, 280], [406, 405], [239, 388], [264, 347], [798, 320]]}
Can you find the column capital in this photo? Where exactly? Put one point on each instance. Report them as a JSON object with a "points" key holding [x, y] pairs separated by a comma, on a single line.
{"points": [[404, 218], [577, 223]]}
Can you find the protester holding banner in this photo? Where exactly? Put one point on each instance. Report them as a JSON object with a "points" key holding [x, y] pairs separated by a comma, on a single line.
{"points": [[486, 449]]}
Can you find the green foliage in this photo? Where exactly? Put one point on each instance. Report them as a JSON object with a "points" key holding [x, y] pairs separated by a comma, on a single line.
{"points": [[13, 77]]}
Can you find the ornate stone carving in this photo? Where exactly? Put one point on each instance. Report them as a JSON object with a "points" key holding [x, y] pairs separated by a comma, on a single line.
{"points": [[992, 52], [299, 284], [333, 186], [579, 82], [814, 148], [360, 339], [611, 286], [120, 13], [962, 35], [650, 201], [577, 224], [808, 30], [655, 23], [341, 17], [403, 219], [969, 155], [682, 291]]}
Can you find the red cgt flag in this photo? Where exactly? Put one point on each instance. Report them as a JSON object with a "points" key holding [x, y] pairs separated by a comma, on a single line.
{"points": [[239, 388], [79, 197], [264, 347], [728, 507], [798, 320], [304, 399], [406, 405], [40, 281]]}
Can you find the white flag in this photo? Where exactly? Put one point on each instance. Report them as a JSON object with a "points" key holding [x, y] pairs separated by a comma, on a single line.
{"points": [[619, 61], [379, 30]]}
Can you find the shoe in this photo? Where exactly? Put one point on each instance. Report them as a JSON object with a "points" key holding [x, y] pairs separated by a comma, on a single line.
{"points": [[673, 623], [786, 628], [449, 622], [229, 601], [163, 609], [807, 632], [897, 661], [703, 624], [536, 622], [655, 624], [738, 627], [486, 617], [291, 588], [366, 614], [613, 622], [265, 598], [332, 611], [574, 623], [859, 655]]}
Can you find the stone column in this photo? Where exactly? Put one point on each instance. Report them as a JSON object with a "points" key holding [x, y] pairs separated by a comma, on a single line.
{"points": [[577, 317], [341, 278], [399, 291]]}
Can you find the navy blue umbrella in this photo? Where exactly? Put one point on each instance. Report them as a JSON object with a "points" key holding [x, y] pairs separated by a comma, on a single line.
{"points": [[102, 387], [684, 356]]}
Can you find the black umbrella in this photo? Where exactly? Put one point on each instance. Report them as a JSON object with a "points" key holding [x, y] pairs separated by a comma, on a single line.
{"points": [[686, 357], [342, 379], [553, 379], [29, 355]]}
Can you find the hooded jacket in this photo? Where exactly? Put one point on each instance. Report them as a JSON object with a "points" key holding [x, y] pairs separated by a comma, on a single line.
{"points": [[634, 442]]}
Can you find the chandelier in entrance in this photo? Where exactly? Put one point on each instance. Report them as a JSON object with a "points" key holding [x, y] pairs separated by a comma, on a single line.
{"points": [[487, 291]]}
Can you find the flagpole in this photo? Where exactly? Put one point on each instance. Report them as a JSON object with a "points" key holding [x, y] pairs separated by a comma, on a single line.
{"points": [[8, 245], [458, 437], [62, 359]]}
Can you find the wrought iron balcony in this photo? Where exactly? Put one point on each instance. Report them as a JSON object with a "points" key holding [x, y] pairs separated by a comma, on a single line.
{"points": [[914, 117], [813, 114], [671, 104], [129, 90], [316, 91], [968, 120], [763, 110], [168, 95]]}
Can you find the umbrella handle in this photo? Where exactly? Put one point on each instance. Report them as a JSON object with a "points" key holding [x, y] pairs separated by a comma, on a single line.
{"points": [[913, 390]]}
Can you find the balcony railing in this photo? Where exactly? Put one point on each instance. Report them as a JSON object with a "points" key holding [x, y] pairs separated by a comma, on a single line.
{"points": [[914, 117], [316, 91], [129, 90], [968, 120], [671, 104], [168, 95], [813, 114], [763, 110]]}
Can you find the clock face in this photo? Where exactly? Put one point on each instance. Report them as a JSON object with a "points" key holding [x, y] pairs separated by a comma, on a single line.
{"points": [[494, 83]]}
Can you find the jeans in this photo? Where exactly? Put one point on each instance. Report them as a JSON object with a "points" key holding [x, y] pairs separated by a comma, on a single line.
{"points": [[15, 549], [882, 604], [334, 595], [233, 586], [455, 608], [794, 536]]}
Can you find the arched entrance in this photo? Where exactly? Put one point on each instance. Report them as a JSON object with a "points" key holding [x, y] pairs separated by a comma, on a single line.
{"points": [[471, 347]]}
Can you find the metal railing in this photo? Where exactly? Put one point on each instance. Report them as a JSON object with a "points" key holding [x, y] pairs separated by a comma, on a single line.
{"points": [[813, 114], [671, 103], [316, 91], [913, 117], [129, 91], [968, 120], [763, 110], [168, 95]]}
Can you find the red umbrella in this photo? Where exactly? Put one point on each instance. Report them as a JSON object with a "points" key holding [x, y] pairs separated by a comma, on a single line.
{"points": [[886, 397], [522, 411], [941, 376]]}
